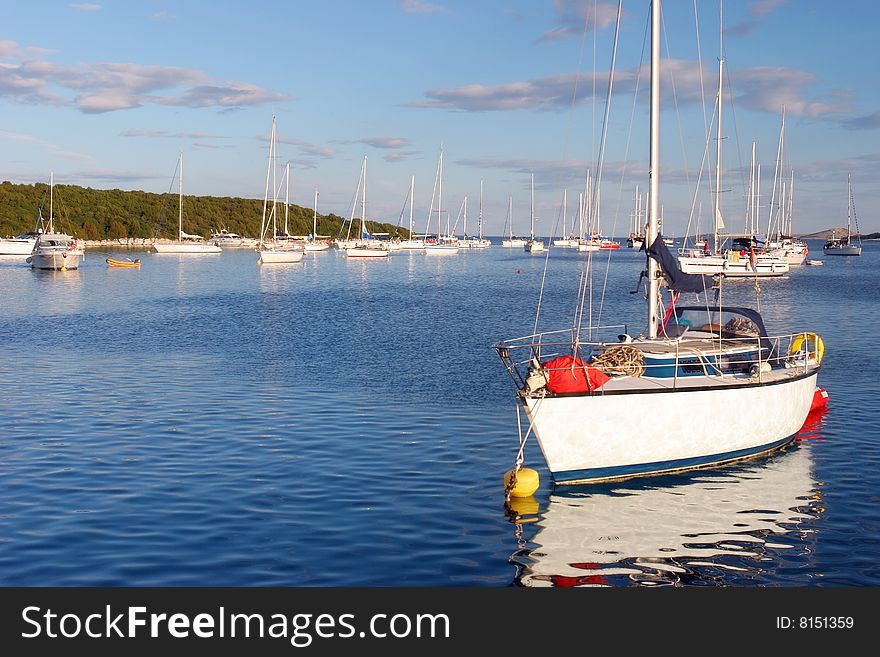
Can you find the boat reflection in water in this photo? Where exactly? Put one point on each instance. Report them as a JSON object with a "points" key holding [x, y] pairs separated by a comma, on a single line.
{"points": [[722, 527]]}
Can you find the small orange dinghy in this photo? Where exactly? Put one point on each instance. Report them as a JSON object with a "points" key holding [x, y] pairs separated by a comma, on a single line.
{"points": [[113, 262]]}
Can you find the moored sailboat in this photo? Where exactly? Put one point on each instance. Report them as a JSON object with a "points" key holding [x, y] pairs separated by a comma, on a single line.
{"points": [[185, 242], [534, 245], [275, 250], [850, 245], [605, 410]]}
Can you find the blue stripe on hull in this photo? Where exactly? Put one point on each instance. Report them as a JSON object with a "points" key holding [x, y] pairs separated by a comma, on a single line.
{"points": [[639, 469]]}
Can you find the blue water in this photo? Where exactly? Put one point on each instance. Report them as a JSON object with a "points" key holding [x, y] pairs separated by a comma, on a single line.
{"points": [[207, 421]]}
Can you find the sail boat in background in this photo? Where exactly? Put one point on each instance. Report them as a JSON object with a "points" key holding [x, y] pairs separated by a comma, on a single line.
{"points": [[477, 242], [275, 251], [314, 243], [846, 246], [568, 240], [511, 241], [533, 245], [185, 243], [366, 246], [53, 250], [636, 237], [444, 244], [780, 241], [412, 243], [741, 260], [706, 384]]}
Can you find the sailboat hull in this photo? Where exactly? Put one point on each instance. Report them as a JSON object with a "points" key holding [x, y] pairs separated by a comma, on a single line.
{"points": [[589, 438], [181, 247], [280, 256], [846, 250]]}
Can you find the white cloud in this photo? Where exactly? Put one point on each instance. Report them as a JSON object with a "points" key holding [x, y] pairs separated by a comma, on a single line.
{"points": [[578, 16], [85, 6], [380, 142], [399, 156], [164, 134], [868, 122], [55, 151], [764, 89], [420, 7], [109, 86], [757, 11]]}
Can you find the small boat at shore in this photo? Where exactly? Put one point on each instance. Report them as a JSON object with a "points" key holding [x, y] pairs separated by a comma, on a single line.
{"points": [[113, 262]]}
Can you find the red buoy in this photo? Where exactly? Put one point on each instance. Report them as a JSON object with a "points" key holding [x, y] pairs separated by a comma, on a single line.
{"points": [[820, 399]]}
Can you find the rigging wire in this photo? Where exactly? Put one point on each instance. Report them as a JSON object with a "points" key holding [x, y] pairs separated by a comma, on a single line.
{"points": [[601, 160]]}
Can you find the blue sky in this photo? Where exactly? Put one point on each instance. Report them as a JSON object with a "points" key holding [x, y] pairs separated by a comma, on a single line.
{"points": [[105, 94]]}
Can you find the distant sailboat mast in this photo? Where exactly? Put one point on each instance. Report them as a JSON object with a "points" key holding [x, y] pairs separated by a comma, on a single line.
{"points": [[180, 199], [480, 221], [315, 218], [719, 221], [412, 188]]}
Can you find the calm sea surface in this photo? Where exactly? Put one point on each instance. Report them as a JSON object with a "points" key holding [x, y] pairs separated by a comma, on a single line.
{"points": [[208, 421]]}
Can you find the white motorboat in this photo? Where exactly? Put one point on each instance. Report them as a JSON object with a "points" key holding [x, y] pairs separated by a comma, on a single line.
{"points": [[21, 245], [55, 250]]}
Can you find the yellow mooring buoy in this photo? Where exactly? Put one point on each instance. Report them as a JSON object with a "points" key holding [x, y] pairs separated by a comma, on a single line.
{"points": [[527, 482]]}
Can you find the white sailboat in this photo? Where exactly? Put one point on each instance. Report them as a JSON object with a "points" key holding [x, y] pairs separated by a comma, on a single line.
{"points": [[445, 243], [783, 244], [315, 244], [412, 243], [706, 384], [733, 262], [511, 241], [366, 246], [275, 251], [533, 245], [53, 250], [849, 245], [478, 242], [185, 243]]}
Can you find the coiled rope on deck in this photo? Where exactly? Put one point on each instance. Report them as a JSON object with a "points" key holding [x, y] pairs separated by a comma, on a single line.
{"points": [[621, 359]]}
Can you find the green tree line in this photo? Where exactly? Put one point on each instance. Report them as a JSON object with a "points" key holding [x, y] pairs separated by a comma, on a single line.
{"points": [[102, 214]]}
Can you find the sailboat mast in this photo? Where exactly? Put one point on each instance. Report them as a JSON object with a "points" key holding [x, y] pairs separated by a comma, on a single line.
{"points": [[532, 209], [412, 189], [718, 219], [180, 200], [777, 177], [581, 215], [654, 172], [564, 211], [274, 190], [315, 217], [465, 216], [286, 196], [364, 201], [266, 192], [848, 206], [789, 223], [510, 216], [480, 221], [51, 200], [440, 195]]}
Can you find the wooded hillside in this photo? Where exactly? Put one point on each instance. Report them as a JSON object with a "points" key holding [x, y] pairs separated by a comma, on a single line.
{"points": [[99, 214]]}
